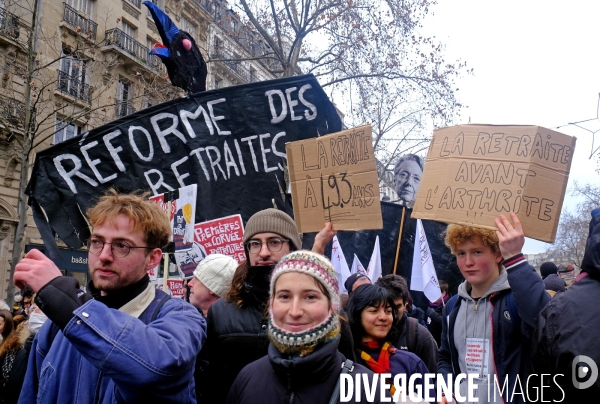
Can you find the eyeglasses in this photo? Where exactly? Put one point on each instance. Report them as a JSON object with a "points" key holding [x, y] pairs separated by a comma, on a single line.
{"points": [[119, 249], [273, 244]]}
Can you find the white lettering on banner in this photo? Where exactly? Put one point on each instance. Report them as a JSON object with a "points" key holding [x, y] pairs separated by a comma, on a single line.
{"points": [[213, 159], [184, 115], [290, 103], [67, 176], [180, 177], [239, 153], [264, 153], [229, 161], [114, 151], [94, 163], [171, 130], [308, 115], [249, 139], [157, 185], [134, 144], [197, 153], [217, 118]]}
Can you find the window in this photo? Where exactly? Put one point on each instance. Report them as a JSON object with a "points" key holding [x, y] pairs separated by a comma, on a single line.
{"points": [[253, 75], [128, 29], [65, 130], [83, 6], [124, 97], [218, 82], [188, 27], [73, 77]]}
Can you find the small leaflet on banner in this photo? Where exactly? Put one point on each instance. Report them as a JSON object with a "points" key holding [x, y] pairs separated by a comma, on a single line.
{"points": [[219, 236], [183, 213], [174, 287]]}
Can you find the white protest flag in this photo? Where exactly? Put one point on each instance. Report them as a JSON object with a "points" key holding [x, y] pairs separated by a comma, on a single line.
{"points": [[357, 267], [338, 261], [374, 268], [423, 277]]}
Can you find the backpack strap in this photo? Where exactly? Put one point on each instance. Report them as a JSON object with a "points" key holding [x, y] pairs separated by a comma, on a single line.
{"points": [[151, 312], [412, 334], [347, 367]]}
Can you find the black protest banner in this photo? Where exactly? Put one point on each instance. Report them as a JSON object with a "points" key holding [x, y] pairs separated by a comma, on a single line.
{"points": [[231, 142], [361, 243]]}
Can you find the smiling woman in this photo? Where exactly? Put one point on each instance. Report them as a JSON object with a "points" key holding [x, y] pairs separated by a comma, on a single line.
{"points": [[372, 312], [303, 363]]}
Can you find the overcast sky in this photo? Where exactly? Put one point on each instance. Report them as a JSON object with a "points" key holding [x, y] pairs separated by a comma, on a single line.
{"points": [[535, 63]]}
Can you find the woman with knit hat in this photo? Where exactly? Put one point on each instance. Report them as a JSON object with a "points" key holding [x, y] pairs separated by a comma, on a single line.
{"points": [[303, 364]]}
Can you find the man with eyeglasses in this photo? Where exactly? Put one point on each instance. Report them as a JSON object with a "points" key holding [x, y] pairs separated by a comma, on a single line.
{"points": [[124, 341]]}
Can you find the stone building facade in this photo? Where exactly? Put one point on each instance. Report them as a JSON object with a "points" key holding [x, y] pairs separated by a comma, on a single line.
{"points": [[91, 66]]}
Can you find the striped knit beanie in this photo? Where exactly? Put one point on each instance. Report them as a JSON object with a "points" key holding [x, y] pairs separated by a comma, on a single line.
{"points": [[320, 268]]}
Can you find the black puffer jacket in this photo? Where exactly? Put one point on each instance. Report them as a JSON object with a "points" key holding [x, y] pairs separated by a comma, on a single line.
{"points": [[237, 336], [569, 326], [274, 379], [424, 346]]}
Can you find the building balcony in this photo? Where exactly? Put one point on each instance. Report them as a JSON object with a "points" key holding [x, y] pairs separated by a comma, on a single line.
{"points": [[9, 24], [74, 87], [131, 48], [124, 108], [229, 60], [79, 22], [12, 112]]}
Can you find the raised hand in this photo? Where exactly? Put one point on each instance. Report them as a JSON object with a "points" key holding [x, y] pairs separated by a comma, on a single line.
{"points": [[510, 236], [35, 270]]}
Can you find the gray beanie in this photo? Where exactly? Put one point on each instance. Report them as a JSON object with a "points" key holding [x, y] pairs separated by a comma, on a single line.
{"points": [[273, 221], [215, 272]]}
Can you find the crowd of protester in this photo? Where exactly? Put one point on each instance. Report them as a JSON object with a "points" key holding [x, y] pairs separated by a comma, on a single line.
{"points": [[278, 329]]}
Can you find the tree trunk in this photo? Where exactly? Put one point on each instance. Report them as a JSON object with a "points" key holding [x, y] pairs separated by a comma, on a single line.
{"points": [[29, 133]]}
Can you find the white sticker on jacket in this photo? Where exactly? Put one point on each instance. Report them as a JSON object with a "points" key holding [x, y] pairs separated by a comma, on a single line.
{"points": [[477, 355]]}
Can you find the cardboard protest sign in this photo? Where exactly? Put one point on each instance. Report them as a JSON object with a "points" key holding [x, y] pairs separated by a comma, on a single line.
{"points": [[334, 179], [183, 212], [219, 236], [230, 142], [474, 173]]}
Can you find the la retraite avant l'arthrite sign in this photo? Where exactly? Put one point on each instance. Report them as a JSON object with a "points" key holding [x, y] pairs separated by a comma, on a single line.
{"points": [[474, 173], [334, 179]]}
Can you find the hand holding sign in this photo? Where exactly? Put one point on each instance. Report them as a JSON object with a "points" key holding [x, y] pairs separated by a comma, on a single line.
{"points": [[510, 236]]}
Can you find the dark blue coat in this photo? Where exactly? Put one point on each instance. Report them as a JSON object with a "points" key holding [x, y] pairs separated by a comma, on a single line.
{"points": [[511, 337]]}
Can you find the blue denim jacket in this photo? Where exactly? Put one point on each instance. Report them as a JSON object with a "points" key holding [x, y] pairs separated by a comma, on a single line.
{"points": [[107, 356]]}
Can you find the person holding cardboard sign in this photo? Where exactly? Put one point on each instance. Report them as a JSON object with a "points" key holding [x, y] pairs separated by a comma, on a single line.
{"points": [[490, 320]]}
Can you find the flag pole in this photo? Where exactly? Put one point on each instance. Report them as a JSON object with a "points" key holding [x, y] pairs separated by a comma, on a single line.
{"points": [[399, 239]]}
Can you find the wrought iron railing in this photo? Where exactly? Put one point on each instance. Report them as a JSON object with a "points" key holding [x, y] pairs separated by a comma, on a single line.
{"points": [[137, 3], [82, 24], [229, 59], [12, 111], [123, 41], [124, 108], [74, 87], [9, 24]]}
